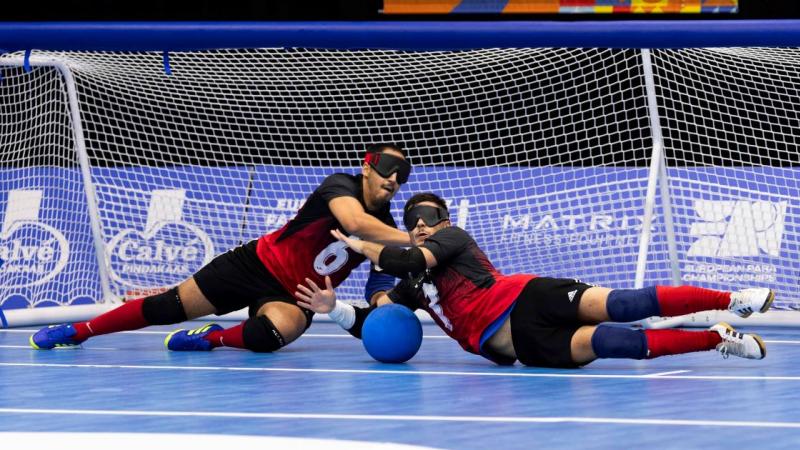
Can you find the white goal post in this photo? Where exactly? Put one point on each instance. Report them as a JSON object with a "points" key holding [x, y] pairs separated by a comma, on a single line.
{"points": [[123, 172]]}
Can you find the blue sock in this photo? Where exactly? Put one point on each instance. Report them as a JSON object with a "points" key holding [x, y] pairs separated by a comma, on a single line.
{"points": [[627, 305], [619, 342]]}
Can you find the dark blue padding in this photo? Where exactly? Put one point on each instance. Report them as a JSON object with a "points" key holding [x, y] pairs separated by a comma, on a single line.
{"points": [[177, 36], [619, 342], [165, 59], [627, 305], [27, 61]]}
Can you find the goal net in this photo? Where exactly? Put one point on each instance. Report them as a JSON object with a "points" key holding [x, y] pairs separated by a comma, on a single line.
{"points": [[124, 173]]}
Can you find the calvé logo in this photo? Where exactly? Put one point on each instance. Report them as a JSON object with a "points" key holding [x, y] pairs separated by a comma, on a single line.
{"points": [[738, 228], [33, 252], [167, 251]]}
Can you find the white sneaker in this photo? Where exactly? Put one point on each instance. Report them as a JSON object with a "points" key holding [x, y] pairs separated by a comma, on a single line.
{"points": [[746, 301], [743, 345]]}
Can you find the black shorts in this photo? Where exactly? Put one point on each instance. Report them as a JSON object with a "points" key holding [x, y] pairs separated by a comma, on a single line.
{"points": [[237, 279], [544, 318]]}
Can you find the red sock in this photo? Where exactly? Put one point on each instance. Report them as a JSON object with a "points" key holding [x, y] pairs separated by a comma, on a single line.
{"points": [[229, 337], [126, 317], [680, 300], [675, 342]]}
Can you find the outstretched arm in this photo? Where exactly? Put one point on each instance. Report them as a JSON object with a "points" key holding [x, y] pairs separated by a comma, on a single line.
{"points": [[349, 212], [323, 301], [394, 260]]}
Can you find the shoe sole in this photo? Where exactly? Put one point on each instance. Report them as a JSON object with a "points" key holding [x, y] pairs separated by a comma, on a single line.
{"points": [[759, 341], [768, 303], [725, 325], [33, 344], [761, 345]]}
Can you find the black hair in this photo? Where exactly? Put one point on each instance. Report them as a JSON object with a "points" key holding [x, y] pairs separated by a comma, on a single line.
{"points": [[416, 199], [381, 147]]}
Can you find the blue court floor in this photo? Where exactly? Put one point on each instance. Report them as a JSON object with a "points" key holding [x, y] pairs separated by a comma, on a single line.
{"points": [[325, 386]]}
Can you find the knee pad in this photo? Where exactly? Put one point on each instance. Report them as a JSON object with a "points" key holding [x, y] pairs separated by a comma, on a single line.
{"points": [[618, 342], [260, 335], [627, 305], [164, 308]]}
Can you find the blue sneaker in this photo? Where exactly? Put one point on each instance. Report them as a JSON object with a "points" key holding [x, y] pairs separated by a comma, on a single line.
{"points": [[191, 340], [54, 336]]}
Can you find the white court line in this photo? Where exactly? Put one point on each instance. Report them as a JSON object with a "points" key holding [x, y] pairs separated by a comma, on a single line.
{"points": [[396, 418], [661, 374], [782, 342], [28, 347], [520, 374]]}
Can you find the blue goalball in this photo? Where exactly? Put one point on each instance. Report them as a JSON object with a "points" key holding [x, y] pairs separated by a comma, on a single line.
{"points": [[392, 334]]}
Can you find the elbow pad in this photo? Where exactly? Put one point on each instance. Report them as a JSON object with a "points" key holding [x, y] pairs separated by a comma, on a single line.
{"points": [[400, 263]]}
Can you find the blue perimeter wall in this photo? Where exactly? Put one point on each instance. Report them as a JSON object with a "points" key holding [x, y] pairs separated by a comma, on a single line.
{"points": [[182, 36]]}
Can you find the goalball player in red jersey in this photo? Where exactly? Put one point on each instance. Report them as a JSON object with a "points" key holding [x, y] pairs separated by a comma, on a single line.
{"points": [[261, 274], [540, 321]]}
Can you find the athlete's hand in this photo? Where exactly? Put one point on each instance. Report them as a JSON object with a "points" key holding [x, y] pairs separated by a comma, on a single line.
{"points": [[311, 297], [356, 244]]}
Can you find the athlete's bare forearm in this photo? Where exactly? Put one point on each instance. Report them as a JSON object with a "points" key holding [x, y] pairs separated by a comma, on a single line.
{"points": [[372, 250], [355, 221], [369, 228]]}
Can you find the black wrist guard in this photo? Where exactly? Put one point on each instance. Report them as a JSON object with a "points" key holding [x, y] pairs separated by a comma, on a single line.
{"points": [[361, 316]]}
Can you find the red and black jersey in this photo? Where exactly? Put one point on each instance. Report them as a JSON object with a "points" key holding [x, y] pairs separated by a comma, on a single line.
{"points": [[304, 247], [464, 293]]}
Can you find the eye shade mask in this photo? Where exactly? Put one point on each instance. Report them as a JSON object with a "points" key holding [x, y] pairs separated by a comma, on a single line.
{"points": [[386, 165], [430, 215]]}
